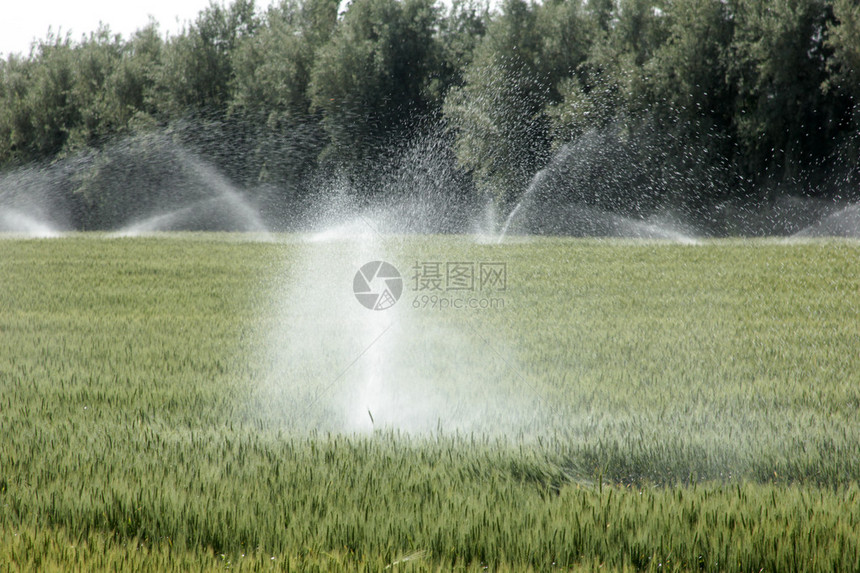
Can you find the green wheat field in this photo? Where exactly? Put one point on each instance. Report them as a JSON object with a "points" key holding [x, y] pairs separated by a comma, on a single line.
{"points": [[165, 405]]}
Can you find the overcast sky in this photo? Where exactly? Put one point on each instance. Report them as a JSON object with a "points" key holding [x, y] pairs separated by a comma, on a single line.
{"points": [[22, 21]]}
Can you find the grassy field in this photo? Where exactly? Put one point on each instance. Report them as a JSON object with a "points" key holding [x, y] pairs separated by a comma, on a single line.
{"points": [[197, 402]]}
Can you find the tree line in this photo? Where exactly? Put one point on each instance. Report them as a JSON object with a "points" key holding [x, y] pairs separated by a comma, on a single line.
{"points": [[706, 99]]}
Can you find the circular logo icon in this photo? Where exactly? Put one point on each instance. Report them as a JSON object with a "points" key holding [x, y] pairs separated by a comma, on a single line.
{"points": [[377, 285]]}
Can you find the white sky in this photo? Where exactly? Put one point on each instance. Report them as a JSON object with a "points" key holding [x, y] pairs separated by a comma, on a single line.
{"points": [[22, 21]]}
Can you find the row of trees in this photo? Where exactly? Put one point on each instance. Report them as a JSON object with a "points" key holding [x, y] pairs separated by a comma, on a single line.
{"points": [[739, 95]]}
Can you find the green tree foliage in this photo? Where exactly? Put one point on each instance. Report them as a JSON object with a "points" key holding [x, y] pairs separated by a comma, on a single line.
{"points": [[373, 76], [498, 115], [844, 39], [685, 77], [777, 65], [132, 85], [270, 86], [39, 107], [742, 81], [767, 90], [98, 106], [273, 67], [196, 68], [461, 30], [69, 97]]}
